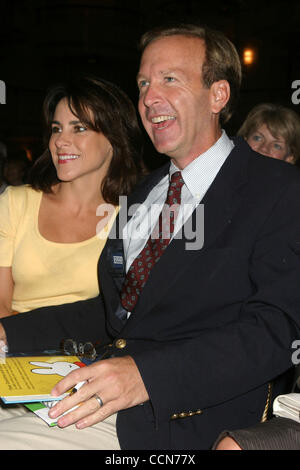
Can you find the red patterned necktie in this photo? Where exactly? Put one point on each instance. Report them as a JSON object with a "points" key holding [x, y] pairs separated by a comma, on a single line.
{"points": [[158, 241]]}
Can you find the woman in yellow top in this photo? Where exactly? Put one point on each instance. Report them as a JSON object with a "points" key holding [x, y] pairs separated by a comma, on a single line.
{"points": [[49, 247]]}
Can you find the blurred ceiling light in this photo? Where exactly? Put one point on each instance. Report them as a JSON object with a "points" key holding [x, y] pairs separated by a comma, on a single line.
{"points": [[248, 56]]}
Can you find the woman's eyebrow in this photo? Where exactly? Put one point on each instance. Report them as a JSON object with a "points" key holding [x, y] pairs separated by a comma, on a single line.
{"points": [[71, 122]]}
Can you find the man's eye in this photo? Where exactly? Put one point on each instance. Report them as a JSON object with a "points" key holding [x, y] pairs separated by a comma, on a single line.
{"points": [[143, 83], [256, 137], [170, 79]]}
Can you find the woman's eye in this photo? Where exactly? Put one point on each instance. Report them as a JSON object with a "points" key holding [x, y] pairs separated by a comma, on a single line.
{"points": [[278, 146], [80, 128], [55, 129], [256, 137]]}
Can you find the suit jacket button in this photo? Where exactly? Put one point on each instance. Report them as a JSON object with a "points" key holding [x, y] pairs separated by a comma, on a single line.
{"points": [[120, 343]]}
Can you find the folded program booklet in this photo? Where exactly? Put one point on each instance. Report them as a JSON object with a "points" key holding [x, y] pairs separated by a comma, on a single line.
{"points": [[41, 409], [31, 379], [287, 406]]}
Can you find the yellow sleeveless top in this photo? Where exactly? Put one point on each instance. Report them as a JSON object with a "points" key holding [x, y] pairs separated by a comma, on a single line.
{"points": [[44, 272]]}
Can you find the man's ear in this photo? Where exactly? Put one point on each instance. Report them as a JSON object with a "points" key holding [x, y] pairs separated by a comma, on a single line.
{"points": [[220, 94]]}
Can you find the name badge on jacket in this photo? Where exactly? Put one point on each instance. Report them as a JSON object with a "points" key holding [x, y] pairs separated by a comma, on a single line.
{"points": [[116, 268], [115, 261]]}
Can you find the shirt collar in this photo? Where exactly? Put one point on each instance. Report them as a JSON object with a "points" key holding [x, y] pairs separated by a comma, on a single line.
{"points": [[201, 172]]}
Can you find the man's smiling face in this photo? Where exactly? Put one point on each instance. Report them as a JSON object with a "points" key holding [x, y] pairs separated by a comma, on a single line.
{"points": [[174, 105]]}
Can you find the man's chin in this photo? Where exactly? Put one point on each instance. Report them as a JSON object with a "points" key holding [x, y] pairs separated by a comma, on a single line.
{"points": [[167, 148]]}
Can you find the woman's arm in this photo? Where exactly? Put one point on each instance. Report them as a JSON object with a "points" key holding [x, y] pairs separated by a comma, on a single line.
{"points": [[2, 335], [6, 291]]}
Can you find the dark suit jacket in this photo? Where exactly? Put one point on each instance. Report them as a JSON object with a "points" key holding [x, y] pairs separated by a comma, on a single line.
{"points": [[212, 326]]}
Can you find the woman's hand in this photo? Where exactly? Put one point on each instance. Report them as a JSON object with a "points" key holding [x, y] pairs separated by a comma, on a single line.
{"points": [[116, 381]]}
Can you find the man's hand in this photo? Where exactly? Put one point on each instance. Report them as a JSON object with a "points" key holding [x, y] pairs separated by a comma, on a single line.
{"points": [[117, 381]]}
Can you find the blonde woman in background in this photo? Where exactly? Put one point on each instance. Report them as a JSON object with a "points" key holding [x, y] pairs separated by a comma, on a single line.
{"points": [[274, 131]]}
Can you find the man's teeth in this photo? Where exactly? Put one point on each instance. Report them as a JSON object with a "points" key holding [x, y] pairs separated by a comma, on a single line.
{"points": [[68, 157], [159, 119]]}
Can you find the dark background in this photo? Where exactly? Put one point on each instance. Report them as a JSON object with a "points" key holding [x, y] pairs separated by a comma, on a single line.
{"points": [[42, 42]]}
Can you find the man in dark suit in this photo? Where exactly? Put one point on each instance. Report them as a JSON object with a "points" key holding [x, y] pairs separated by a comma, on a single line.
{"points": [[195, 350]]}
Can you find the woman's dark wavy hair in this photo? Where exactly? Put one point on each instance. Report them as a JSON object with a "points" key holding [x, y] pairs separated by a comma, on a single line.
{"points": [[102, 107]]}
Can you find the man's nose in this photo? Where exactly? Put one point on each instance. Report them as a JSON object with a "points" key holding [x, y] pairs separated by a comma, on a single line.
{"points": [[151, 95]]}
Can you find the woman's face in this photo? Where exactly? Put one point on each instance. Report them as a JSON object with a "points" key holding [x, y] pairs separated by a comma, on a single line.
{"points": [[77, 151], [262, 141]]}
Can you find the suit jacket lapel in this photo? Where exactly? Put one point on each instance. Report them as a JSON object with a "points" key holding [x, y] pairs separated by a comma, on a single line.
{"points": [[225, 194], [143, 189], [112, 274]]}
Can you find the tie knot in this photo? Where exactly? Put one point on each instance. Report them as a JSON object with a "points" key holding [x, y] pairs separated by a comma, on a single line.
{"points": [[174, 191], [176, 180]]}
